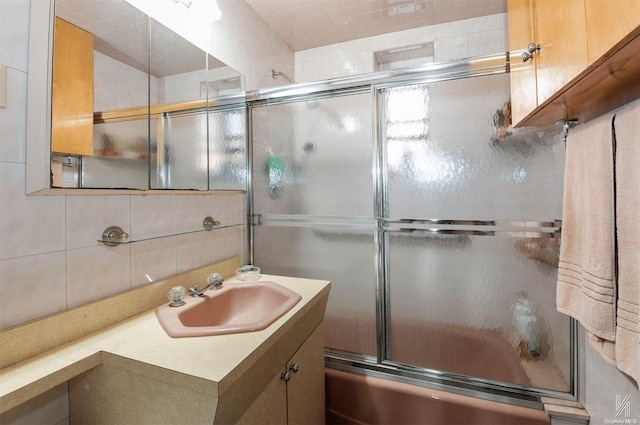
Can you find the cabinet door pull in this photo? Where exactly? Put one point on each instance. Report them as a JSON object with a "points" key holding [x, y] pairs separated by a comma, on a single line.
{"points": [[294, 368], [532, 49], [285, 376]]}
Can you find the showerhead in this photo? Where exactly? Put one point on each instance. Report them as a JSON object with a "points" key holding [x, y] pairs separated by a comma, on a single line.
{"points": [[275, 74]]}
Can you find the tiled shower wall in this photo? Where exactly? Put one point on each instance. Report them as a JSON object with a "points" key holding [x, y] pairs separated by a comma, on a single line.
{"points": [[453, 40]]}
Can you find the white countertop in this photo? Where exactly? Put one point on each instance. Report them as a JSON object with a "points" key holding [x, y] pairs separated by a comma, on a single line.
{"points": [[141, 339]]}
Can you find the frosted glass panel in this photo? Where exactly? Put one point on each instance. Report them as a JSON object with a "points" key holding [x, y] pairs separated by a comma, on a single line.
{"points": [[120, 156], [346, 259], [314, 157], [181, 158], [482, 306], [451, 154], [227, 150]]}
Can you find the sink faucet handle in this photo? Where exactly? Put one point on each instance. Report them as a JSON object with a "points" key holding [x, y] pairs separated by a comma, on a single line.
{"points": [[215, 280]]}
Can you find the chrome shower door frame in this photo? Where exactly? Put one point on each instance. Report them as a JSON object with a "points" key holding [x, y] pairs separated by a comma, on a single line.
{"points": [[381, 364]]}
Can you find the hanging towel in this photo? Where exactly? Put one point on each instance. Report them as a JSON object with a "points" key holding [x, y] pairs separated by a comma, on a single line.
{"points": [[627, 172], [586, 271]]}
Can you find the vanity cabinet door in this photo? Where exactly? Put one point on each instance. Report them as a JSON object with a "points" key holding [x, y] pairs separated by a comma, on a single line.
{"points": [[305, 388], [270, 408], [295, 396], [72, 92]]}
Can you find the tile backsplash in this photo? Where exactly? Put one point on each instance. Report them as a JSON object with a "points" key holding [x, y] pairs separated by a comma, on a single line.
{"points": [[50, 259]]}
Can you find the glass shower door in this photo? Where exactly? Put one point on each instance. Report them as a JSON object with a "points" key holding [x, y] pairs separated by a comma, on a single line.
{"points": [[313, 205], [471, 235]]}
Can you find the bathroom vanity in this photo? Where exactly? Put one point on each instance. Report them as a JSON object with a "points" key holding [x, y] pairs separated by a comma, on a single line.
{"points": [[133, 372]]}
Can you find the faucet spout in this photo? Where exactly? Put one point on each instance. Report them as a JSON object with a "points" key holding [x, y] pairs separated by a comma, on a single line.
{"points": [[213, 281]]}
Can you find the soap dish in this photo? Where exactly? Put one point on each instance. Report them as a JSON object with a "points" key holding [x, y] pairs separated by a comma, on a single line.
{"points": [[248, 273]]}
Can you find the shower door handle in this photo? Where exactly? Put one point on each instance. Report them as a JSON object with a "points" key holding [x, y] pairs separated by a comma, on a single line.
{"points": [[532, 49]]}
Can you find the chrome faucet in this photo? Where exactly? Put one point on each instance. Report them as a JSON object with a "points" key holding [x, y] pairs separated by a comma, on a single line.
{"points": [[213, 281]]}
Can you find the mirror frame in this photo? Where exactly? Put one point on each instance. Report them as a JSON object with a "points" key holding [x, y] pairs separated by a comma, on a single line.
{"points": [[38, 149], [38, 133]]}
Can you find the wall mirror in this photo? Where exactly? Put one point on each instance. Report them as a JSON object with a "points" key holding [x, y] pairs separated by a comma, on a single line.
{"points": [[130, 104]]}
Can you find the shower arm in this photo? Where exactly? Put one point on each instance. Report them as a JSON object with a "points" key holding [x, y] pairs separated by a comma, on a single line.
{"points": [[275, 73]]}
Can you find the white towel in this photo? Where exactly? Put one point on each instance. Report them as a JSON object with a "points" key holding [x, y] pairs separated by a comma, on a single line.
{"points": [[586, 270], [627, 175]]}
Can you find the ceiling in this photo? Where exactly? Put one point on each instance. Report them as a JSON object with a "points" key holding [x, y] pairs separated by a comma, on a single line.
{"points": [[305, 24]]}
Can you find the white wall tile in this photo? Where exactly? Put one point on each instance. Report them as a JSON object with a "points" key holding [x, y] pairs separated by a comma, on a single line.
{"points": [[603, 383], [393, 40], [363, 63], [13, 118], [485, 43], [153, 260], [97, 272], [88, 216], [191, 211], [228, 209], [193, 250], [485, 23], [14, 33], [29, 225], [32, 287], [227, 243], [452, 42], [423, 34], [451, 29], [341, 66], [451, 48], [153, 214]]}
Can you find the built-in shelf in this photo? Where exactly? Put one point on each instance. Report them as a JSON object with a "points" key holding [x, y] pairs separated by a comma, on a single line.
{"points": [[114, 235]]}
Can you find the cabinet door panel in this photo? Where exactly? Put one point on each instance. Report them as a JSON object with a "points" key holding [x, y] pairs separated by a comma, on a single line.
{"points": [[270, 408], [608, 23], [305, 390], [561, 32], [523, 74], [72, 93]]}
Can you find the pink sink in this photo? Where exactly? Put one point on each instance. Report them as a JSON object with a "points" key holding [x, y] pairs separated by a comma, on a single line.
{"points": [[236, 308]]}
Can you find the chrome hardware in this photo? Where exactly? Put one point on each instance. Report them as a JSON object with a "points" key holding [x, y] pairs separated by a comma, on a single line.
{"points": [[176, 296], [114, 235], [532, 49], [213, 281], [285, 376], [294, 368], [568, 125], [209, 223]]}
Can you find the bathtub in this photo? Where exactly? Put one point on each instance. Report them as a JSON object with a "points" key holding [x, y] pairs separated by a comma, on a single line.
{"points": [[354, 399]]}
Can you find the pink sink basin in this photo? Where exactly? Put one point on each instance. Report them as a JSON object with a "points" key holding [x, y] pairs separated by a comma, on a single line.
{"points": [[236, 308]]}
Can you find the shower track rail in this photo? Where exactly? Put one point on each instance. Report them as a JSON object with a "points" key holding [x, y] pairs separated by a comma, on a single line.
{"points": [[517, 229]]}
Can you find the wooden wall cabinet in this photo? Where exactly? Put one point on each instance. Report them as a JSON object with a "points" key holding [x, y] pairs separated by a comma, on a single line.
{"points": [[608, 23], [587, 63], [559, 29], [72, 92]]}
